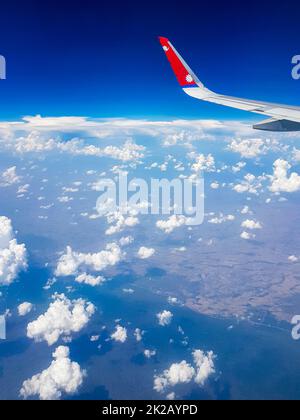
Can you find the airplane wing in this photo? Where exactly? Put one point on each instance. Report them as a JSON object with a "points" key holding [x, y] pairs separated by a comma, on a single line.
{"points": [[281, 117]]}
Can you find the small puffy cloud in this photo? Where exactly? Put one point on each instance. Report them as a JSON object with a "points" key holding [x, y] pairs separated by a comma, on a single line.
{"points": [[174, 222], [145, 253], [9, 177], [205, 366], [281, 181], [171, 396], [62, 318], [71, 262], [241, 188], [215, 185], [65, 199], [172, 300], [94, 338], [120, 334], [129, 152], [90, 280], [149, 354], [293, 258], [127, 240], [23, 189], [138, 333], [184, 373], [250, 184], [248, 148], [251, 224], [221, 219], [128, 291], [178, 373], [62, 377], [245, 210], [164, 318], [13, 256], [25, 308], [119, 222], [247, 236], [238, 167], [203, 163]]}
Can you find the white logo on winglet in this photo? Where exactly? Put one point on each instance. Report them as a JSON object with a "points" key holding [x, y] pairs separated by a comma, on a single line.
{"points": [[189, 78], [165, 48]]}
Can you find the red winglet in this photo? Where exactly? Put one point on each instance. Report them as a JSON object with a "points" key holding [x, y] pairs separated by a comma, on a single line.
{"points": [[183, 73]]}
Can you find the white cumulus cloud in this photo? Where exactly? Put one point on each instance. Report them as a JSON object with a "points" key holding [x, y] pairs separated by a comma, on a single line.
{"points": [[251, 224], [164, 318], [9, 177], [149, 353], [184, 373], [138, 333], [250, 184], [62, 318], [62, 376], [205, 366], [203, 163], [248, 148], [145, 253], [120, 334], [247, 236], [281, 181], [90, 280], [178, 373], [174, 222], [13, 256], [71, 262], [25, 308]]}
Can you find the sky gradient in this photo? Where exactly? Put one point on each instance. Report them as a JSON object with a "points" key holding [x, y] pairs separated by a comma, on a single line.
{"points": [[106, 62]]}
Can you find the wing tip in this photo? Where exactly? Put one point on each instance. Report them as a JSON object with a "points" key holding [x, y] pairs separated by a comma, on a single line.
{"points": [[163, 40]]}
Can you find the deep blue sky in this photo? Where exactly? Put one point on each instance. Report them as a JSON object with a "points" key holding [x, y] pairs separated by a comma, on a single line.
{"points": [[102, 59]]}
